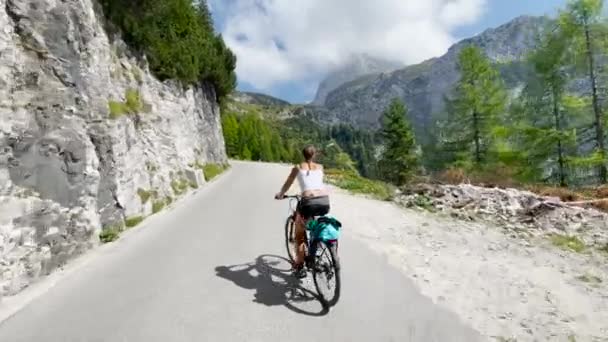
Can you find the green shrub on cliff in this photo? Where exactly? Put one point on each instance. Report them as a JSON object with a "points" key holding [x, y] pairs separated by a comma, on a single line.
{"points": [[178, 39]]}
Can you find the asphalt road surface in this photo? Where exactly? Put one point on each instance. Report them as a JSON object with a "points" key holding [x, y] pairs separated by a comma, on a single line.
{"points": [[213, 269]]}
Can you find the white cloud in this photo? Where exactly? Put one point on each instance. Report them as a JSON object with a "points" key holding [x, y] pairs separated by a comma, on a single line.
{"points": [[296, 40]]}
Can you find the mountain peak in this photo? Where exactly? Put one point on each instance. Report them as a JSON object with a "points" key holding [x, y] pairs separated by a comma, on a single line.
{"points": [[358, 65], [423, 86]]}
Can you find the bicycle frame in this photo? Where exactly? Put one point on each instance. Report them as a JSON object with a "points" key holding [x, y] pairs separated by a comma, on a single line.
{"points": [[309, 242]]}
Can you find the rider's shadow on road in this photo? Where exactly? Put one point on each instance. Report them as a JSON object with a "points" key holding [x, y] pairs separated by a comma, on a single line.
{"points": [[274, 284]]}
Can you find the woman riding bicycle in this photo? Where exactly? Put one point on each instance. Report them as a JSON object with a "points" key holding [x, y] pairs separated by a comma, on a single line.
{"points": [[315, 201]]}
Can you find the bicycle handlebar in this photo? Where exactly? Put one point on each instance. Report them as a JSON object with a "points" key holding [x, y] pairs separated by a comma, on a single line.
{"points": [[298, 197]]}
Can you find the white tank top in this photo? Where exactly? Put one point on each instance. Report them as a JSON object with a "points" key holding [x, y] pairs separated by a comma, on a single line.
{"points": [[311, 180]]}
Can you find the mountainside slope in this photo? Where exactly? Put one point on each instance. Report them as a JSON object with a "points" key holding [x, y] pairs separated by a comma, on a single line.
{"points": [[258, 99], [90, 139], [423, 86], [358, 66]]}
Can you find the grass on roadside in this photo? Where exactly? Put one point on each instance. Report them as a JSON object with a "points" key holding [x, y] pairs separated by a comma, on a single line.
{"points": [[111, 233], [570, 243], [145, 195], [353, 182], [157, 206], [589, 278], [133, 221], [211, 170], [108, 235], [179, 186]]}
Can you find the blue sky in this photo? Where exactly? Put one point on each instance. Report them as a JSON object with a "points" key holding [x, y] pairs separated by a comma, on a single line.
{"points": [[285, 47]]}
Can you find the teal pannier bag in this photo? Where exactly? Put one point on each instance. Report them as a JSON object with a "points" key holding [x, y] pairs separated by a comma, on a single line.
{"points": [[324, 228]]}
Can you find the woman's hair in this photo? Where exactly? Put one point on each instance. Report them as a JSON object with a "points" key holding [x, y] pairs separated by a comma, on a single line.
{"points": [[309, 152]]}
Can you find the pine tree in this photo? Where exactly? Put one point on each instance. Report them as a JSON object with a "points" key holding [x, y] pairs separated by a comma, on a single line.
{"points": [[538, 121], [178, 39], [246, 154], [399, 160], [264, 136], [333, 157], [582, 23], [230, 127], [478, 101]]}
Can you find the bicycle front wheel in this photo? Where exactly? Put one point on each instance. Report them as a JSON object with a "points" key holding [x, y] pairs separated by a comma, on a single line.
{"points": [[290, 238], [326, 272]]}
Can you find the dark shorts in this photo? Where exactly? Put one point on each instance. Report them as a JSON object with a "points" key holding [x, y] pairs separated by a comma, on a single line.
{"points": [[314, 206]]}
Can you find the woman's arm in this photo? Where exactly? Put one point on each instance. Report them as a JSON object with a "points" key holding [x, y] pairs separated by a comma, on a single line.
{"points": [[290, 179]]}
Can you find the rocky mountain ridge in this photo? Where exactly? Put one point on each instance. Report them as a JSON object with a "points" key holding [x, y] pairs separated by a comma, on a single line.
{"points": [[423, 86], [358, 66], [257, 99]]}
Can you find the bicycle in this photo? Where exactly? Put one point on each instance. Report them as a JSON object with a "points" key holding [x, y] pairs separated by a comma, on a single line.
{"points": [[322, 259]]}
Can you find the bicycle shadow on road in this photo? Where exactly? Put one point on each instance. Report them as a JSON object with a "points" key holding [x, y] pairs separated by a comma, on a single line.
{"points": [[270, 276]]}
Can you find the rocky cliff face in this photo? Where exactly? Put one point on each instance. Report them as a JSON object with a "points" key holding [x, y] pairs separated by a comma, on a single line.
{"points": [[358, 66], [423, 87], [88, 137]]}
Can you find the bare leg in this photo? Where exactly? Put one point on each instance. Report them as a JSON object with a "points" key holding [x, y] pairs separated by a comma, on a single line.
{"points": [[300, 241]]}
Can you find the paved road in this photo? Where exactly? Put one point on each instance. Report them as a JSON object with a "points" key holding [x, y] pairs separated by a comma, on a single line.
{"points": [[212, 270]]}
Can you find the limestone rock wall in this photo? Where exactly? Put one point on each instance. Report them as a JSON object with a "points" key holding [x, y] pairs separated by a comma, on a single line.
{"points": [[88, 137]]}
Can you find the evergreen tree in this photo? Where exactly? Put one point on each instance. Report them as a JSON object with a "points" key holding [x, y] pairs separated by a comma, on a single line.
{"points": [[264, 135], [246, 154], [230, 127], [548, 63], [537, 138], [178, 39], [478, 101], [582, 23], [333, 157], [399, 160]]}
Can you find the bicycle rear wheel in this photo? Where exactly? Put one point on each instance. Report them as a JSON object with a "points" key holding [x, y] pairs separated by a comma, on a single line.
{"points": [[290, 238], [326, 272]]}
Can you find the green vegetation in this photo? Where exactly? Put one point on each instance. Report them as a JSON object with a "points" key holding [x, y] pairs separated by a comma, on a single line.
{"points": [[351, 181], [178, 38], [588, 278], [424, 202], [117, 109], [537, 120], [251, 133], [133, 104], [111, 233], [582, 26], [137, 75], [211, 171], [473, 109], [505, 339], [108, 235], [571, 243], [145, 195], [553, 133], [131, 222], [399, 161], [158, 205], [180, 186]]}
